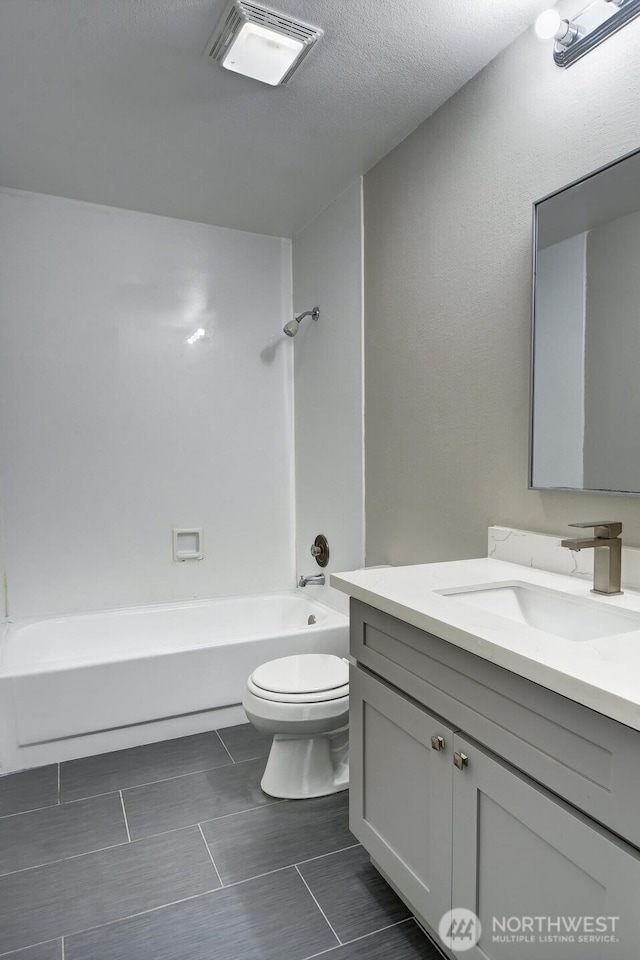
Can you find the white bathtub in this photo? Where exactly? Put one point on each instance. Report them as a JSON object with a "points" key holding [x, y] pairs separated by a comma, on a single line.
{"points": [[75, 685]]}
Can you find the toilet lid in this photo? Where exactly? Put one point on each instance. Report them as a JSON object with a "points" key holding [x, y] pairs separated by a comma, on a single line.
{"points": [[306, 673]]}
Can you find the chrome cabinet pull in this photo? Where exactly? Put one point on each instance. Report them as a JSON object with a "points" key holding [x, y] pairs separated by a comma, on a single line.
{"points": [[437, 743], [460, 760]]}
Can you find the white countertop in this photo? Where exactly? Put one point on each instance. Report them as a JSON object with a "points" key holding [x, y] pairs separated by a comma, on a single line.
{"points": [[603, 674]]}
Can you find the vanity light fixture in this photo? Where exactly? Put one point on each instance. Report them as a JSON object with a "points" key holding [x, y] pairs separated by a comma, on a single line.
{"points": [[588, 28], [198, 335], [260, 43]]}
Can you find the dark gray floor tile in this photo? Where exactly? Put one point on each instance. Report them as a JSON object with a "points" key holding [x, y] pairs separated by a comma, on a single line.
{"points": [[44, 951], [73, 895], [29, 839], [404, 942], [278, 835], [129, 768], [352, 893], [28, 790], [244, 742], [194, 798], [270, 918]]}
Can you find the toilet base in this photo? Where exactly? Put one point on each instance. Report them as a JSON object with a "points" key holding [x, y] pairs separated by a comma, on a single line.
{"points": [[302, 767]]}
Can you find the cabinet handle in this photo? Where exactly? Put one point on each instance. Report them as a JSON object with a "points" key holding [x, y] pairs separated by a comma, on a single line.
{"points": [[437, 743], [460, 760]]}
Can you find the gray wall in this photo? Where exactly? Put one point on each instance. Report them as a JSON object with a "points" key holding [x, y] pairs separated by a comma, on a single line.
{"points": [[328, 391], [447, 298], [612, 356]]}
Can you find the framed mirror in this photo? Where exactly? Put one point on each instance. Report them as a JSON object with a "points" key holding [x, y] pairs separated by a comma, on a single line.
{"points": [[585, 379]]}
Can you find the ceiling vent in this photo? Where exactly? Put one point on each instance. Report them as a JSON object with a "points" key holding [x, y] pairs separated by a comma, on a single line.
{"points": [[260, 43]]}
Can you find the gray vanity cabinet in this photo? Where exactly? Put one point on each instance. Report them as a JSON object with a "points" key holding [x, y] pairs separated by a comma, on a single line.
{"points": [[494, 834], [400, 792], [519, 852]]}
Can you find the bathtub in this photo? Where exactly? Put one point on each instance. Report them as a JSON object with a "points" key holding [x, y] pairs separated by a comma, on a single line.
{"points": [[86, 683]]}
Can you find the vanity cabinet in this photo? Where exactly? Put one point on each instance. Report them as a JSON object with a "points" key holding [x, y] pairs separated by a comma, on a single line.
{"points": [[486, 834], [400, 792]]}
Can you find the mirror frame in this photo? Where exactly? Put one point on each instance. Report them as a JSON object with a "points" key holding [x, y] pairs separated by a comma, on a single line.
{"points": [[536, 204]]}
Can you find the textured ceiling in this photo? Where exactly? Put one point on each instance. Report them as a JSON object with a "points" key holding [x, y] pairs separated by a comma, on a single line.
{"points": [[113, 101]]}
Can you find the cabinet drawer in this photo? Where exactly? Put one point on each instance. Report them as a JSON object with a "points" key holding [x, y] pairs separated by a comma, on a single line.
{"points": [[583, 756]]}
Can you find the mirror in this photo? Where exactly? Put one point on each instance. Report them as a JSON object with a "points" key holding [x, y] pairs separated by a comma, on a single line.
{"points": [[585, 384]]}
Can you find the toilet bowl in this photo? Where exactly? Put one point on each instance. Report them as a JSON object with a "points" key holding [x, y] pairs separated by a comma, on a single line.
{"points": [[303, 702]]}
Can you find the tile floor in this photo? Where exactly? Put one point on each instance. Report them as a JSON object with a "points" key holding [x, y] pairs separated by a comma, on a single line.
{"points": [[172, 852]]}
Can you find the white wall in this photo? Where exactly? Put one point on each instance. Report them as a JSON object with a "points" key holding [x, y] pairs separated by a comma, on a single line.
{"points": [[447, 218], [113, 429], [327, 272]]}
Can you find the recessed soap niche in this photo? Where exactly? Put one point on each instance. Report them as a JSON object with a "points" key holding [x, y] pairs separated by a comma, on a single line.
{"points": [[187, 543]]}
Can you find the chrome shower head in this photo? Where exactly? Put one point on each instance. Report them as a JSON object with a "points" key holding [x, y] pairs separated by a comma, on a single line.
{"points": [[291, 328]]}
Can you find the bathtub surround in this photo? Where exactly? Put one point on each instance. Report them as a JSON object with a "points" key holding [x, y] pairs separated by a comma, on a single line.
{"points": [[114, 428], [448, 218], [328, 385], [291, 873]]}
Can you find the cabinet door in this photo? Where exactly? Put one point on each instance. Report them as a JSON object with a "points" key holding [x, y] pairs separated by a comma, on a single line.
{"points": [[400, 793], [537, 866]]}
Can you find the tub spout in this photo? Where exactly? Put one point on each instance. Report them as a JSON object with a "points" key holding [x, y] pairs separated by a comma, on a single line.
{"points": [[316, 579]]}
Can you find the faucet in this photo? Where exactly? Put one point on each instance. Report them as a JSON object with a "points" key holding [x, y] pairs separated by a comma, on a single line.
{"points": [[316, 579], [606, 562]]}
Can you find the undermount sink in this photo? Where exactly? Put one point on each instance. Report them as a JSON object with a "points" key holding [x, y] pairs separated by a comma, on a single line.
{"points": [[548, 610]]}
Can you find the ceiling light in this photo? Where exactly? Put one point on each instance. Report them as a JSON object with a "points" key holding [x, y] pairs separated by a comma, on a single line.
{"points": [[260, 43]]}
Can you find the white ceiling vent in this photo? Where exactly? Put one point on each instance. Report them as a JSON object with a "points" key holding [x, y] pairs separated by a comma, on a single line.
{"points": [[260, 43]]}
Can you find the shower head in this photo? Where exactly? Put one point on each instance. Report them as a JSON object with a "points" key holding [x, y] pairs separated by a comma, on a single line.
{"points": [[291, 328]]}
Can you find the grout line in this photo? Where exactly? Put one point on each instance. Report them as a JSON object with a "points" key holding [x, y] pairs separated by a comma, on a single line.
{"points": [[151, 836], [205, 893], [124, 814], [210, 855], [162, 833], [92, 796], [225, 746], [331, 853], [41, 943], [224, 816], [365, 936], [164, 906], [21, 813], [50, 863], [178, 776], [319, 907], [109, 923]]}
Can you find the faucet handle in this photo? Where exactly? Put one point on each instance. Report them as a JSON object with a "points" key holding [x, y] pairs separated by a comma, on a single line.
{"points": [[604, 529]]}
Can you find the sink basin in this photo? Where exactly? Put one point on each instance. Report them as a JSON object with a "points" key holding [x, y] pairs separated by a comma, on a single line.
{"points": [[548, 610]]}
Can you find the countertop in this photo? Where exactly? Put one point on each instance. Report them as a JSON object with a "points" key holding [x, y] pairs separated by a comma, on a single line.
{"points": [[603, 674]]}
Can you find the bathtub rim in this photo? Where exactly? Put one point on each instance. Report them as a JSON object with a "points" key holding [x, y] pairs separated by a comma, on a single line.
{"points": [[10, 628]]}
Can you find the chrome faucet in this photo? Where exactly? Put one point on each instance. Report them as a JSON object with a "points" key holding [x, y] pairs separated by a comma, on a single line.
{"points": [[607, 558], [316, 579]]}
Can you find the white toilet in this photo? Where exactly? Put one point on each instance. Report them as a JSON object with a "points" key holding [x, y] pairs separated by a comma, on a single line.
{"points": [[304, 702]]}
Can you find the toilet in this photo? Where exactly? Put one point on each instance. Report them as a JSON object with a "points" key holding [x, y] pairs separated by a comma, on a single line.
{"points": [[303, 701]]}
